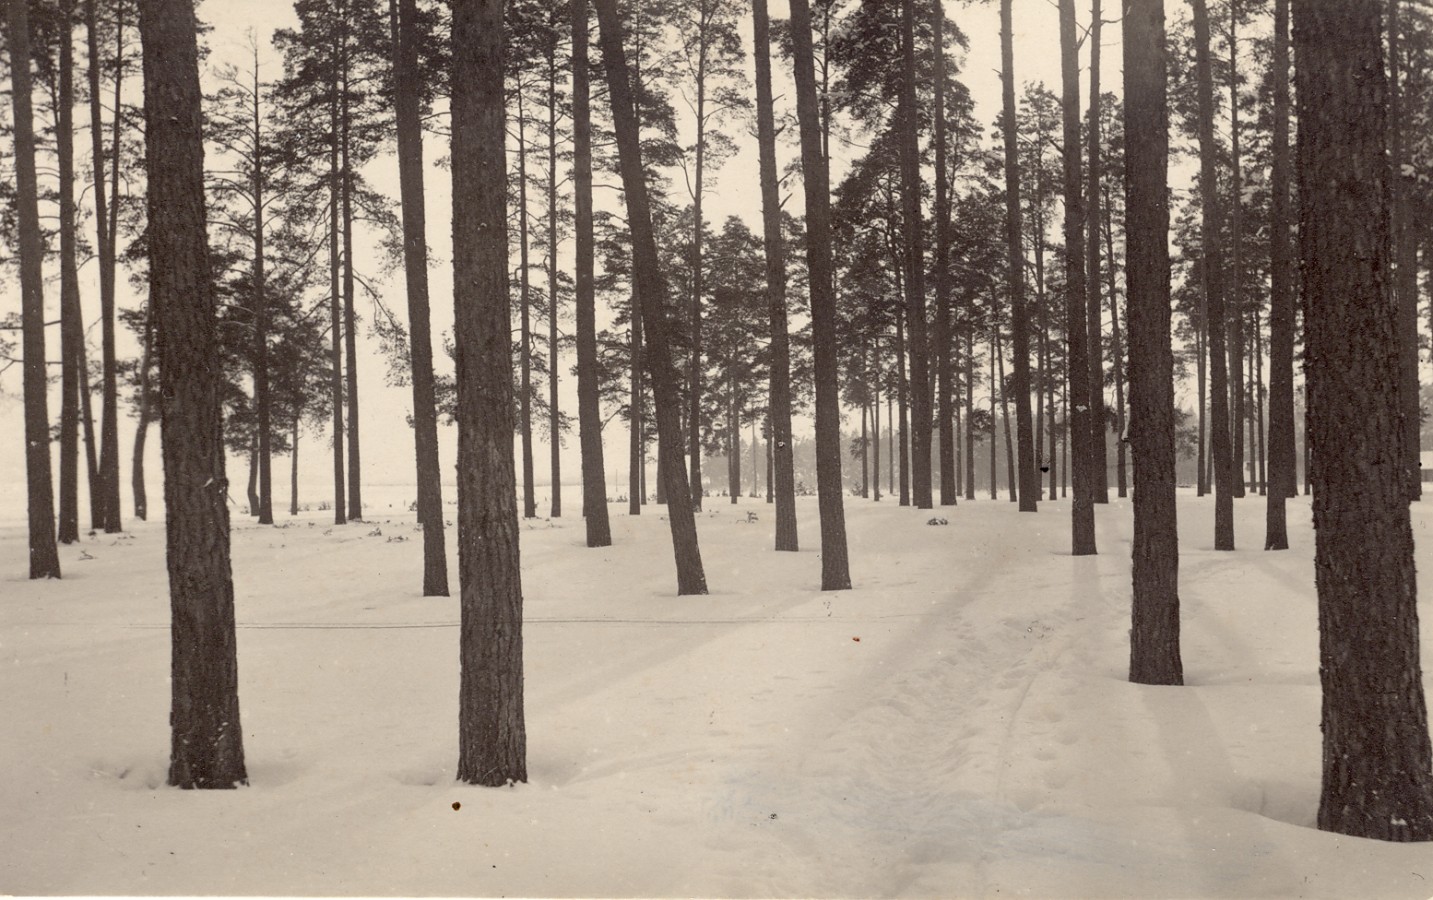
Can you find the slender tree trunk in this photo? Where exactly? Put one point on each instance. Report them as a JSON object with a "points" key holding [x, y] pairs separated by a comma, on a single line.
{"points": [[207, 735], [994, 343], [340, 492], [835, 567], [252, 492], [1094, 303], [1282, 465], [945, 375], [1026, 475], [44, 554], [262, 399], [637, 451], [1210, 229], [970, 411], [1201, 352], [1154, 631], [913, 232], [589, 409], [1011, 472], [903, 409], [492, 736], [1236, 265], [876, 423], [1079, 432], [71, 315], [141, 428], [694, 370], [783, 465], [408, 112], [1377, 760], [554, 412], [529, 481], [652, 291], [87, 427], [350, 316], [1258, 371], [294, 467]]}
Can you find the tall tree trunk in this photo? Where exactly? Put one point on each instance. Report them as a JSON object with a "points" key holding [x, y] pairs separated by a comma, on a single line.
{"points": [[694, 311], [350, 316], [262, 399], [945, 375], [903, 409], [44, 554], [1154, 630], [835, 567], [652, 292], [71, 316], [1028, 478], [529, 485], [913, 232], [106, 222], [876, 424], [637, 452], [206, 749], [1094, 303], [783, 465], [335, 308], [1377, 759], [969, 410], [589, 409], [492, 736], [1082, 517], [1201, 352], [408, 112], [1236, 264], [1213, 267], [1011, 472], [1282, 467], [554, 412]]}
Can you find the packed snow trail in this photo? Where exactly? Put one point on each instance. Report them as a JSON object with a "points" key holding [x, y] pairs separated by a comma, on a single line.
{"points": [[959, 724]]}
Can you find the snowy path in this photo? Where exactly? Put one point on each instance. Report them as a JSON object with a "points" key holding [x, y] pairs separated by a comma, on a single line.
{"points": [[959, 724]]}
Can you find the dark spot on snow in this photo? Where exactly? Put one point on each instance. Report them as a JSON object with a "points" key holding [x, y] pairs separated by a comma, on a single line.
{"points": [[457, 806], [773, 815], [856, 639]]}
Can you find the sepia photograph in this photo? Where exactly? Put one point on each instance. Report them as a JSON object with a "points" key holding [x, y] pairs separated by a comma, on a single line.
{"points": [[716, 448]]}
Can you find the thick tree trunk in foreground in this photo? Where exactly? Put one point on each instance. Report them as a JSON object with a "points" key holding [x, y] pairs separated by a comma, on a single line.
{"points": [[1377, 757], [1405, 253], [652, 291], [492, 738], [783, 467], [408, 109], [1213, 266], [589, 409], [44, 554], [1154, 631], [835, 567], [207, 748], [1082, 515]]}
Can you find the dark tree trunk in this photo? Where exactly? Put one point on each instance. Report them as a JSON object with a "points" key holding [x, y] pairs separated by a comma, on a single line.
{"points": [[1094, 303], [945, 375], [1154, 631], [903, 409], [694, 311], [1012, 480], [1213, 267], [554, 412], [970, 412], [141, 428], [589, 410], [1117, 357], [1377, 759], [408, 111], [1283, 472], [294, 467], [913, 232], [637, 452], [652, 291], [1079, 431], [71, 316], [876, 424], [783, 465], [207, 737], [44, 553], [262, 399], [335, 307], [994, 343], [492, 737], [1028, 477], [350, 316], [87, 425], [252, 493], [1236, 302], [835, 566], [106, 216]]}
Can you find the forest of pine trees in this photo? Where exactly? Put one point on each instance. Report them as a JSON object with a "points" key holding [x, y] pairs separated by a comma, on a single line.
{"points": [[1208, 273]]}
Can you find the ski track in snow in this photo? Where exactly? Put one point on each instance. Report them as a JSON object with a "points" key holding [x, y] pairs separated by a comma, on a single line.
{"points": [[959, 724]]}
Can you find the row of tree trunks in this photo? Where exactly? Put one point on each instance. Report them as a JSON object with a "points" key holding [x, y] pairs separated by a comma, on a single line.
{"points": [[1094, 303], [914, 246], [945, 376]]}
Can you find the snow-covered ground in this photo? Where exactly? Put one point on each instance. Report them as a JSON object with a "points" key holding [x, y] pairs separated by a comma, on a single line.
{"points": [[957, 725]]}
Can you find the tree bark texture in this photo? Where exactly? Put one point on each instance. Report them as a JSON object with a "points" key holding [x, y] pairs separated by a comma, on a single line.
{"points": [[1028, 478], [913, 232], [492, 737]]}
